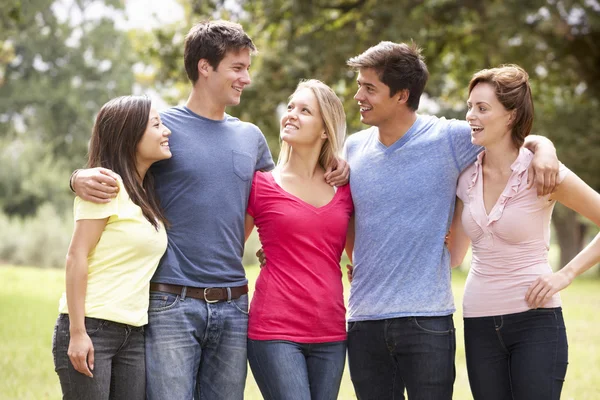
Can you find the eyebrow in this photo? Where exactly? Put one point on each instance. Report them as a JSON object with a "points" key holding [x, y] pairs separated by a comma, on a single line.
{"points": [[155, 118], [239, 64], [301, 104], [365, 84]]}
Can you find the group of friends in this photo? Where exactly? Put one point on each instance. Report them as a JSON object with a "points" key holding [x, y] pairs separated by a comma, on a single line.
{"points": [[156, 300]]}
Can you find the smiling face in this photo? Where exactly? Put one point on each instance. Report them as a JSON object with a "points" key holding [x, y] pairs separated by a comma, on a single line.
{"points": [[226, 83], [373, 96], [489, 120], [154, 144], [302, 124]]}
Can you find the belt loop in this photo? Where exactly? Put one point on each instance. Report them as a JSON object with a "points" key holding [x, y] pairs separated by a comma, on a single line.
{"points": [[183, 292], [228, 294]]}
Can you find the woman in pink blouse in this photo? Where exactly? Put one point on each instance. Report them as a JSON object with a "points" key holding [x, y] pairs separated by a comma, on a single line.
{"points": [[515, 338]]}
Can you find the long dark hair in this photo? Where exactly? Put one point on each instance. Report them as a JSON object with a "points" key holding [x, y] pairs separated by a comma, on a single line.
{"points": [[119, 127]]}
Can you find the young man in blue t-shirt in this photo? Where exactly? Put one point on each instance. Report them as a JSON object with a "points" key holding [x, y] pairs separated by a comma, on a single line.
{"points": [[404, 174], [198, 315]]}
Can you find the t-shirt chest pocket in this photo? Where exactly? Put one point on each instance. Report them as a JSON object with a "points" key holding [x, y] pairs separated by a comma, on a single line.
{"points": [[243, 165]]}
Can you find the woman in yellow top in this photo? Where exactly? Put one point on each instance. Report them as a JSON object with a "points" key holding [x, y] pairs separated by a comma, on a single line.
{"points": [[98, 343]]}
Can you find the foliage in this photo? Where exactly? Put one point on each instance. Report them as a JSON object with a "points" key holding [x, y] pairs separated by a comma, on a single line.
{"points": [[54, 76], [41, 239]]}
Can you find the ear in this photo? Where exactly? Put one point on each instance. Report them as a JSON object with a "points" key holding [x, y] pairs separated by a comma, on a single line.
{"points": [[403, 96], [511, 117], [324, 135], [203, 67]]}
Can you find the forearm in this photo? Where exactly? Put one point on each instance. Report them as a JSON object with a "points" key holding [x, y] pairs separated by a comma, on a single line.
{"points": [[583, 261], [76, 287], [536, 143]]}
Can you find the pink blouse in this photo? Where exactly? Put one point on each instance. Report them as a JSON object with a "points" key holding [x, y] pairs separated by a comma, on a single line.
{"points": [[510, 245]]}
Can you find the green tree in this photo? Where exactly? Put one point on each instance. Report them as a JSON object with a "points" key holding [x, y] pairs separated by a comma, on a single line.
{"points": [[54, 76]]}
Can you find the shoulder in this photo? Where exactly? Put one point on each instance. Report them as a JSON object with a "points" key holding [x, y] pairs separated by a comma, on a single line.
{"points": [[361, 137]]}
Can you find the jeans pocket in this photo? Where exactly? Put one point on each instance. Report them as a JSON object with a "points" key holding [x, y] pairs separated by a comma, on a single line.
{"points": [[243, 165], [93, 325], [160, 301], [434, 325], [241, 303], [352, 326]]}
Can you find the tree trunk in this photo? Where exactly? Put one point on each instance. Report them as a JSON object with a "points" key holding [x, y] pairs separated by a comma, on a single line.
{"points": [[570, 233]]}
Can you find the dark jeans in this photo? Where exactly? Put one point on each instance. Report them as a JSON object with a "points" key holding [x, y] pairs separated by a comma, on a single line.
{"points": [[287, 370], [519, 356], [119, 366], [413, 353]]}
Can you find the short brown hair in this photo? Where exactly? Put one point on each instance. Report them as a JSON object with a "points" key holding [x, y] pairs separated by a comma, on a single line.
{"points": [[211, 40], [399, 66], [511, 85]]}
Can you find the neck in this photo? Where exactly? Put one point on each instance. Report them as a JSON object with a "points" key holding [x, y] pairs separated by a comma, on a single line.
{"points": [[396, 127], [141, 169], [203, 103], [303, 162], [500, 156]]}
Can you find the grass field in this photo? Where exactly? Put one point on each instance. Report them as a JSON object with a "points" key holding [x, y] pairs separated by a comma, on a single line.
{"points": [[28, 309]]}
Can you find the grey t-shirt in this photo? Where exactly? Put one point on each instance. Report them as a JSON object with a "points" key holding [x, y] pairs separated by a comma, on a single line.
{"points": [[203, 190], [404, 200]]}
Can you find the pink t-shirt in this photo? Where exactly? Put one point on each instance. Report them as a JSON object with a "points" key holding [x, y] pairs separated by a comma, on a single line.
{"points": [[510, 245], [298, 294]]}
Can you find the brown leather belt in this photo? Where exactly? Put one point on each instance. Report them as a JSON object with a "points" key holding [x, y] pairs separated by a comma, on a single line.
{"points": [[210, 295]]}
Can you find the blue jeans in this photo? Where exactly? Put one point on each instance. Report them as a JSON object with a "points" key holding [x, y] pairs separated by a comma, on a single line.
{"points": [[287, 370], [119, 371], [413, 353], [195, 349], [517, 356]]}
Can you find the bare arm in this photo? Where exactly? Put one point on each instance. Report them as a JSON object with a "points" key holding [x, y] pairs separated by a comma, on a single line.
{"points": [[248, 225], [578, 196], [458, 241], [543, 171], [85, 237], [98, 185]]}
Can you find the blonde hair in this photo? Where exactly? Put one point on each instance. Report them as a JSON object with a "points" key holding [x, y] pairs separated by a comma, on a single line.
{"points": [[334, 120]]}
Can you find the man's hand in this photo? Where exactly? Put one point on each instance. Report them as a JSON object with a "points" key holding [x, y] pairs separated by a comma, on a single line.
{"points": [[98, 185], [338, 175], [81, 353], [543, 171], [349, 272]]}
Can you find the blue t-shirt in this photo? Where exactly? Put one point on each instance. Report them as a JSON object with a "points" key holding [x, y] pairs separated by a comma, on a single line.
{"points": [[203, 190], [404, 200]]}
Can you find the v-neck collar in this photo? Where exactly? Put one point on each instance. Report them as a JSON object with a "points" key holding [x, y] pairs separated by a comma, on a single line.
{"points": [[402, 141], [318, 210], [518, 167]]}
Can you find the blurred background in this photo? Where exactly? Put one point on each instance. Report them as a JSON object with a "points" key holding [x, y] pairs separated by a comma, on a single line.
{"points": [[61, 60]]}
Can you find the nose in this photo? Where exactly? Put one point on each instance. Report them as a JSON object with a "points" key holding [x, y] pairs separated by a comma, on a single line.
{"points": [[245, 79], [359, 96], [469, 115], [167, 132]]}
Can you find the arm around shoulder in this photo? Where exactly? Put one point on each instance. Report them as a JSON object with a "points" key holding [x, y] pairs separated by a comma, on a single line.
{"points": [[98, 185]]}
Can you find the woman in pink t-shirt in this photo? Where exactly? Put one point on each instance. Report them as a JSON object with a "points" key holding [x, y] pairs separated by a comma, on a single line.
{"points": [[296, 326], [515, 338]]}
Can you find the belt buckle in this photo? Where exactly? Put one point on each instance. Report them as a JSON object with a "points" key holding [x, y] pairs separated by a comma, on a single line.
{"points": [[206, 297]]}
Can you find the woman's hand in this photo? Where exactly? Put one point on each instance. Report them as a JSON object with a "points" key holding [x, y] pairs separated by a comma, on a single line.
{"points": [[81, 353], [546, 286]]}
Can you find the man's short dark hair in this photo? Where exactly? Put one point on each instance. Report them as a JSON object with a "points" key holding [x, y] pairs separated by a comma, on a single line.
{"points": [[211, 40], [399, 66]]}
